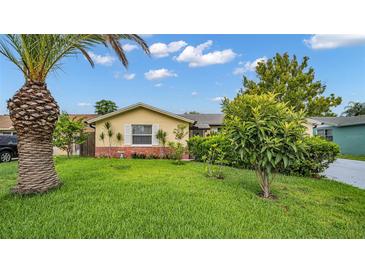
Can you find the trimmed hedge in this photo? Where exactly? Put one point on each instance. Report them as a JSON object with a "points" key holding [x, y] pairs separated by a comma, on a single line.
{"points": [[199, 146], [320, 153]]}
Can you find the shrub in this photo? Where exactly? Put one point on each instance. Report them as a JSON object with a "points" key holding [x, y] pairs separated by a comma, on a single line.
{"points": [[200, 146], [320, 153], [135, 155], [152, 156]]}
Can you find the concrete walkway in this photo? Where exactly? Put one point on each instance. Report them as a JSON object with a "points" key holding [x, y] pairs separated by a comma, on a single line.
{"points": [[347, 171]]}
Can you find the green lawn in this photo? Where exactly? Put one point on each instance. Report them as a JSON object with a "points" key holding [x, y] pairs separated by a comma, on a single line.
{"points": [[352, 157], [111, 198]]}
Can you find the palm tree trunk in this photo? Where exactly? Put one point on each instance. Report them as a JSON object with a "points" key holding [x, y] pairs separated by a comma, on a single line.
{"points": [[34, 113]]}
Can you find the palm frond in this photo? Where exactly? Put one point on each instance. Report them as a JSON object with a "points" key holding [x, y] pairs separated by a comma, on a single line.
{"points": [[36, 55]]}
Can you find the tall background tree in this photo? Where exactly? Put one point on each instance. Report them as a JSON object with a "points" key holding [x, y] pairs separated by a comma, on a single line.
{"points": [[293, 82], [105, 106], [68, 132], [354, 109], [33, 110]]}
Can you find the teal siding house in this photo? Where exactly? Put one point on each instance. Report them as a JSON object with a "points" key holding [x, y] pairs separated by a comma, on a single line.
{"points": [[347, 132]]}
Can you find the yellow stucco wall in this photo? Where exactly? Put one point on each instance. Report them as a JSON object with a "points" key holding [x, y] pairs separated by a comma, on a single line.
{"points": [[138, 116], [309, 129]]}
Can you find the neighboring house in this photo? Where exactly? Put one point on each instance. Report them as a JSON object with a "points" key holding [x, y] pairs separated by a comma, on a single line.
{"points": [[347, 132], [139, 124], [6, 128], [204, 124]]}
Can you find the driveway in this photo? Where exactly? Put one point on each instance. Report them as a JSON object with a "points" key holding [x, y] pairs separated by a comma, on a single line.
{"points": [[347, 171]]}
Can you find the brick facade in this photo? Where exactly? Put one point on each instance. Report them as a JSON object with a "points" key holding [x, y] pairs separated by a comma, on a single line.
{"points": [[128, 151]]}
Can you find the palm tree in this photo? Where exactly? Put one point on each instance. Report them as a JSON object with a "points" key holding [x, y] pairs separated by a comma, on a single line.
{"points": [[161, 137], [33, 110], [354, 109], [110, 134]]}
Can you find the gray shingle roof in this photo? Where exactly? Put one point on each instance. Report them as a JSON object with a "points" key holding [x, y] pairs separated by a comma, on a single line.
{"points": [[341, 121], [210, 119]]}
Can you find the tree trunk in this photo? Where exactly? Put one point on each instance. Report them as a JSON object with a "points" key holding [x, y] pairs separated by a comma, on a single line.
{"points": [[265, 185], [264, 178], [34, 113]]}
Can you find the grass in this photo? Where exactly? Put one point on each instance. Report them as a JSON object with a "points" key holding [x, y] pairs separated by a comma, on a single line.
{"points": [[113, 198], [352, 157]]}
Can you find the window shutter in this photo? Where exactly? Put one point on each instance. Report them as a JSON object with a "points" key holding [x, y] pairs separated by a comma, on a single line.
{"points": [[127, 134], [155, 128]]}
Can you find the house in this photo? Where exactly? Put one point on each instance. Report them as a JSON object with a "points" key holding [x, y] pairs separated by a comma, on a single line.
{"points": [[347, 132], [6, 128], [139, 124], [204, 124]]}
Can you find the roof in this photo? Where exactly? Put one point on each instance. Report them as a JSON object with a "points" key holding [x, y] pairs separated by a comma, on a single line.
{"points": [[85, 117], [205, 119], [341, 121], [5, 122], [138, 105]]}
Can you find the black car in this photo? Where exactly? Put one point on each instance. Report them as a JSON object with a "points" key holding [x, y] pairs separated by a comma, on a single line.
{"points": [[8, 148]]}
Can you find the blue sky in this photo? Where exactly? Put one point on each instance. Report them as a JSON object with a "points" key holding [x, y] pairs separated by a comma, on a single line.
{"points": [[192, 72]]}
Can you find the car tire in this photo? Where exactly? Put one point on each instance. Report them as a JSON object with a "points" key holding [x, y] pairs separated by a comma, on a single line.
{"points": [[5, 156]]}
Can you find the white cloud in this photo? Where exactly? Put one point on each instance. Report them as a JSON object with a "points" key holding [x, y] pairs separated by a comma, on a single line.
{"points": [[146, 35], [217, 99], [239, 71], [129, 76], [84, 104], [195, 57], [159, 74], [116, 75], [194, 93], [105, 60], [129, 47], [331, 41], [163, 50], [158, 85], [248, 66]]}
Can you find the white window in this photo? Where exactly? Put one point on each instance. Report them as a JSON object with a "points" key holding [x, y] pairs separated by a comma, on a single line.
{"points": [[141, 134], [325, 133]]}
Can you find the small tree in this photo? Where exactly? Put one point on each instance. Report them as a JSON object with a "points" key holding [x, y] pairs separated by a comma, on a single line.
{"points": [[215, 159], [267, 134], [68, 132], [109, 134], [119, 137], [177, 148], [105, 106], [161, 137], [180, 132], [177, 151], [102, 137]]}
